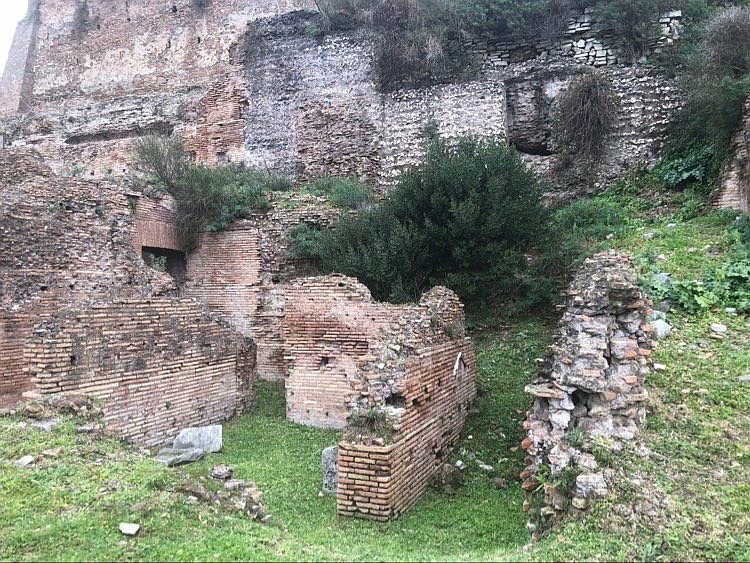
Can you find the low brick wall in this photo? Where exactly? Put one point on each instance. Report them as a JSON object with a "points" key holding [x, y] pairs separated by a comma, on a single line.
{"points": [[158, 365], [383, 482]]}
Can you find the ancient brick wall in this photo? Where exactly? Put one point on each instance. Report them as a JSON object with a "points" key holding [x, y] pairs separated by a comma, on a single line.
{"points": [[158, 365], [591, 386], [349, 357], [224, 274], [155, 224], [94, 74], [733, 190], [331, 326], [383, 482], [62, 241]]}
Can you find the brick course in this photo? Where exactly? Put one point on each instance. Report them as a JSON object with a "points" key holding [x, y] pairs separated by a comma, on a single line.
{"points": [[158, 365]]}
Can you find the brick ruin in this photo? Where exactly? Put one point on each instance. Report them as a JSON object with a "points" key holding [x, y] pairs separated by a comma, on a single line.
{"points": [[590, 390], [81, 312], [240, 273], [158, 364], [397, 378], [243, 82], [733, 190]]}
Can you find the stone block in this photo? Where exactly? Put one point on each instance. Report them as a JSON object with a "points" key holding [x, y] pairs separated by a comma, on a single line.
{"points": [[206, 438], [330, 469]]}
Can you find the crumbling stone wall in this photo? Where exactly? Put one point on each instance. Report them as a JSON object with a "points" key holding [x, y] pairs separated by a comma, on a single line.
{"points": [[246, 82], [590, 388], [646, 102], [353, 363], [158, 365], [733, 189], [582, 41], [326, 117]]}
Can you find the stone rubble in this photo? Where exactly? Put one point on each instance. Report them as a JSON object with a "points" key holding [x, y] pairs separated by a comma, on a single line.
{"points": [[590, 390]]}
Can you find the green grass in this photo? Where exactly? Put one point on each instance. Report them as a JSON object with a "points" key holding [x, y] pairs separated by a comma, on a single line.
{"points": [[69, 508]]}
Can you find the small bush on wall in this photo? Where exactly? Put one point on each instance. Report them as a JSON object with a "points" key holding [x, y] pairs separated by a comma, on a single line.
{"points": [[585, 116], [208, 198]]}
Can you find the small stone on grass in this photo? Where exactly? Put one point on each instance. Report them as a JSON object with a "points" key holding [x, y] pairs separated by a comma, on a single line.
{"points": [[129, 529]]}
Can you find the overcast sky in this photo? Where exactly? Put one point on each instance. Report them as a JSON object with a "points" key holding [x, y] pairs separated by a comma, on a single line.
{"points": [[11, 12]]}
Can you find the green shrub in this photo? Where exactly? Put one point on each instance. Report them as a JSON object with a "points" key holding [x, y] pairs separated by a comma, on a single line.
{"points": [[585, 115], [633, 23], [208, 198], [464, 219], [717, 79], [727, 285], [692, 169], [161, 155]]}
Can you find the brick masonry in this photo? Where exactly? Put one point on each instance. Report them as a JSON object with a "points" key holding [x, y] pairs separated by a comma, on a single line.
{"points": [[158, 365], [80, 311], [245, 82], [349, 356]]}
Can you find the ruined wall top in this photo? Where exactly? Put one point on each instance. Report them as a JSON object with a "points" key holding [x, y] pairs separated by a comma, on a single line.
{"points": [[65, 50]]}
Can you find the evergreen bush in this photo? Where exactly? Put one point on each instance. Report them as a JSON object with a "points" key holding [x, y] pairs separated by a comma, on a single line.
{"points": [[464, 219]]}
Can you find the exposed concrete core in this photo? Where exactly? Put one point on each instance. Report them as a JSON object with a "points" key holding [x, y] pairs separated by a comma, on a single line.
{"points": [[591, 387]]}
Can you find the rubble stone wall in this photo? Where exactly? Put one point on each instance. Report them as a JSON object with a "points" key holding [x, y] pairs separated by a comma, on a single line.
{"points": [[591, 387], [158, 365]]}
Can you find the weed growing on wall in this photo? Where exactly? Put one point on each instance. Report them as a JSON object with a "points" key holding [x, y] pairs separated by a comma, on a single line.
{"points": [[585, 115], [208, 198], [346, 193]]}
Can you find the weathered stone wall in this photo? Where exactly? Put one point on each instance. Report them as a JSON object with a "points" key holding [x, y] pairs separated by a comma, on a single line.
{"points": [[584, 41], [158, 365], [244, 84], [591, 387], [91, 75], [646, 102], [326, 118], [733, 189]]}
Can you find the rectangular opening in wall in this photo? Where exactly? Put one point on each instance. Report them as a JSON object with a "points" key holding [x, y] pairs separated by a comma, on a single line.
{"points": [[172, 262]]}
